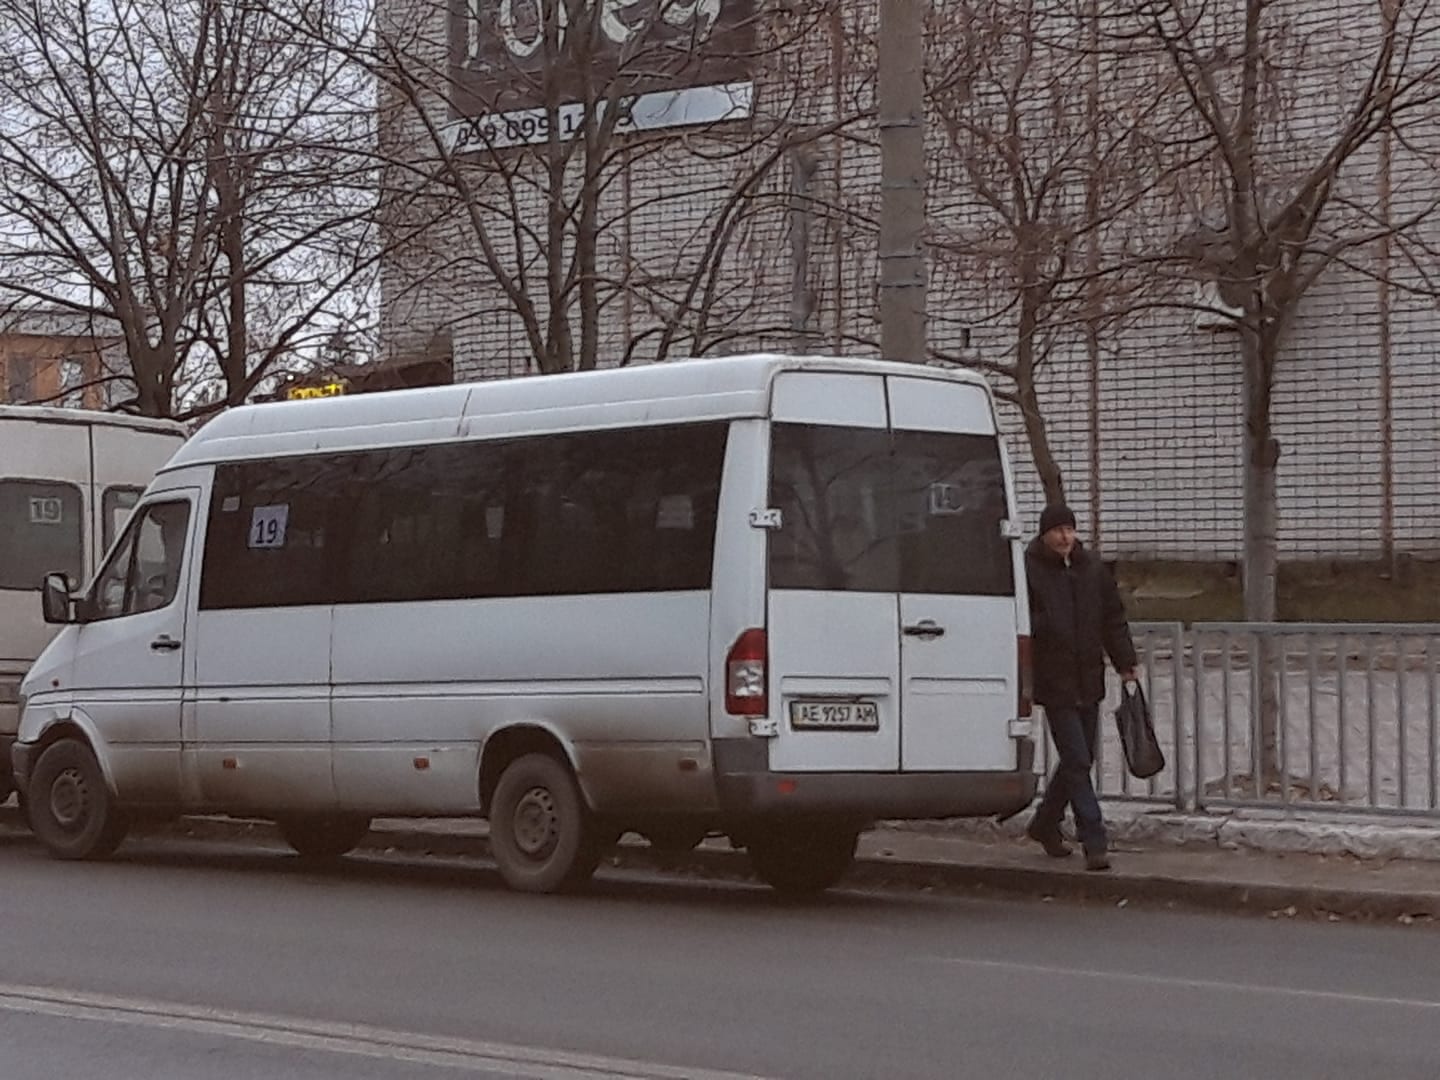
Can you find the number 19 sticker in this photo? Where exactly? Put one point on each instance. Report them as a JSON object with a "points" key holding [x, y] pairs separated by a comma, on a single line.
{"points": [[267, 526], [47, 511]]}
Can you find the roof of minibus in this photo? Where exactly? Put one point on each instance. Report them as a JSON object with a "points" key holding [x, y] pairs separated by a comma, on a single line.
{"points": [[677, 391], [46, 414]]}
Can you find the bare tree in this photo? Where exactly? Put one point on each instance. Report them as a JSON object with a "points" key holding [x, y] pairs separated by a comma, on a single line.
{"points": [[189, 173], [1298, 110], [1050, 160], [606, 172], [1293, 195]]}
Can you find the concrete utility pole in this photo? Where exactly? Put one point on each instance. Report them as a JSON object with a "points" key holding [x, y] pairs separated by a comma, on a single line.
{"points": [[901, 112]]}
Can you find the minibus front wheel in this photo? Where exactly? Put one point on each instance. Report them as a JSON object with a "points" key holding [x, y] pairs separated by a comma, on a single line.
{"points": [[70, 806], [542, 835]]}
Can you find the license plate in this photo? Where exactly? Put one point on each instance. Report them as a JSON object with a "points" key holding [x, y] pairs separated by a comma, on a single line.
{"points": [[835, 715]]}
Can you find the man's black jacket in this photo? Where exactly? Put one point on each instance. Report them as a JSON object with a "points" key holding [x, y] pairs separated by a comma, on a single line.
{"points": [[1076, 620]]}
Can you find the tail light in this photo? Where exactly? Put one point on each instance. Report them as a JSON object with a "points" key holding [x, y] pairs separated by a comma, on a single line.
{"points": [[1026, 677], [747, 685]]}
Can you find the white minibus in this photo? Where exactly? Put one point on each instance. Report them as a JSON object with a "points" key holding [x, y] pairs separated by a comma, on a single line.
{"points": [[68, 479], [767, 597]]}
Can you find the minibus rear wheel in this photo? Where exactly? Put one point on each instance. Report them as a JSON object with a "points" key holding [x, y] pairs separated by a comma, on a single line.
{"points": [[323, 837], [802, 860], [542, 836], [70, 806]]}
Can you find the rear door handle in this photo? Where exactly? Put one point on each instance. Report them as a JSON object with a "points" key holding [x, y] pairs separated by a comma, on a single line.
{"points": [[925, 628], [164, 643]]}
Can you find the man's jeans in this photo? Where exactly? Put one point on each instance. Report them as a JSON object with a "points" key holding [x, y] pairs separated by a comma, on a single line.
{"points": [[1074, 731]]}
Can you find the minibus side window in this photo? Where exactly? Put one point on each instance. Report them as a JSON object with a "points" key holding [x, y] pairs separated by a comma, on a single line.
{"points": [[278, 532], [619, 511], [428, 524], [629, 510], [143, 573]]}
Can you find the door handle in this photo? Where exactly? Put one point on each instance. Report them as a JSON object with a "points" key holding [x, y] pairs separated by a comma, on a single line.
{"points": [[164, 643], [925, 628]]}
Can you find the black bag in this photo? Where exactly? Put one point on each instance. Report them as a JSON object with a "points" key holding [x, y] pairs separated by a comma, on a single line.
{"points": [[1143, 755]]}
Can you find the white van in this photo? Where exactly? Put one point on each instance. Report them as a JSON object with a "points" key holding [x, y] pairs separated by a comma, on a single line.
{"points": [[68, 479], [772, 597]]}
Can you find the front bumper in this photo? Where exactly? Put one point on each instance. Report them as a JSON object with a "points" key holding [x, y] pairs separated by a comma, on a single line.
{"points": [[17, 760], [748, 788]]}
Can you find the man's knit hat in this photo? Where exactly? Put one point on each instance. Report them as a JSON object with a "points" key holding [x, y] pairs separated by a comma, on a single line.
{"points": [[1055, 515]]}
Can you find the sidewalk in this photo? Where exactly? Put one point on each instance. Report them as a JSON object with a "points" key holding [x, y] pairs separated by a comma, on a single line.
{"points": [[1194, 875], [943, 858]]}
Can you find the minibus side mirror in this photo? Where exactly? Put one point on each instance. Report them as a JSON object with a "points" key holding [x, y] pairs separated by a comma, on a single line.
{"points": [[55, 599]]}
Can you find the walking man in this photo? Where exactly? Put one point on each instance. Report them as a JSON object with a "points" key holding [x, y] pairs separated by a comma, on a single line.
{"points": [[1076, 620]]}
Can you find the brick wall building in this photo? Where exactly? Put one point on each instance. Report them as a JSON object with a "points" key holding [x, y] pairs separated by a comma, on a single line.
{"points": [[1145, 419], [54, 357]]}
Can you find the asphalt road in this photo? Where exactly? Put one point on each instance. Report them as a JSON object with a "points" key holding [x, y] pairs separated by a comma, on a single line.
{"points": [[180, 960]]}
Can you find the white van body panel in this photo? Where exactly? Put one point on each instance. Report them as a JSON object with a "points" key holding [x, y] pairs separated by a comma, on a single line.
{"points": [[132, 689], [390, 706], [34, 450], [944, 699], [738, 600], [960, 688], [826, 645], [91, 453], [623, 676], [261, 728]]}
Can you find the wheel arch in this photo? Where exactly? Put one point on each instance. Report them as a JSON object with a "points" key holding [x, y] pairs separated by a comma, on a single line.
{"points": [[78, 726], [514, 741]]}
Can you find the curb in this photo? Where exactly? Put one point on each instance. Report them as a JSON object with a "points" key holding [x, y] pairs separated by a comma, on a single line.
{"points": [[1265, 831], [717, 863]]}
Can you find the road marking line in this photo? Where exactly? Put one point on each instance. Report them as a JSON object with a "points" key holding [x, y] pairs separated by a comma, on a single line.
{"points": [[1201, 984], [343, 1038]]}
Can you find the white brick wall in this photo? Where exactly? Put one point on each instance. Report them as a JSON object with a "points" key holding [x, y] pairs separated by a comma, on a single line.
{"points": [[1168, 460]]}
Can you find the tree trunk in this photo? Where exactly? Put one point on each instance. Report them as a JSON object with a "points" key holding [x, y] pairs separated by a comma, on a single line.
{"points": [[1028, 394], [1261, 547], [152, 394], [1051, 477]]}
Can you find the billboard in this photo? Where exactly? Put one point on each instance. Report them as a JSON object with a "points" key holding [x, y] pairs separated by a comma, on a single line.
{"points": [[675, 63]]}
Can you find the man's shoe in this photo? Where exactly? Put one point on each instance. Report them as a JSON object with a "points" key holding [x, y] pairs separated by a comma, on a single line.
{"points": [[1049, 839], [1097, 860]]}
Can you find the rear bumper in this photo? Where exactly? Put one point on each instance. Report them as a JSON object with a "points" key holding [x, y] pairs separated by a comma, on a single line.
{"points": [[747, 791]]}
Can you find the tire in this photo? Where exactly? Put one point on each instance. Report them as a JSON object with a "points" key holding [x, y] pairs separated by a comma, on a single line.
{"points": [[326, 838], [541, 834], [70, 806], [802, 860]]}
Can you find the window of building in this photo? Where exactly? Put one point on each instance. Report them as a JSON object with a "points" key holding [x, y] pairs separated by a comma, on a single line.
{"points": [[72, 381], [20, 379]]}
